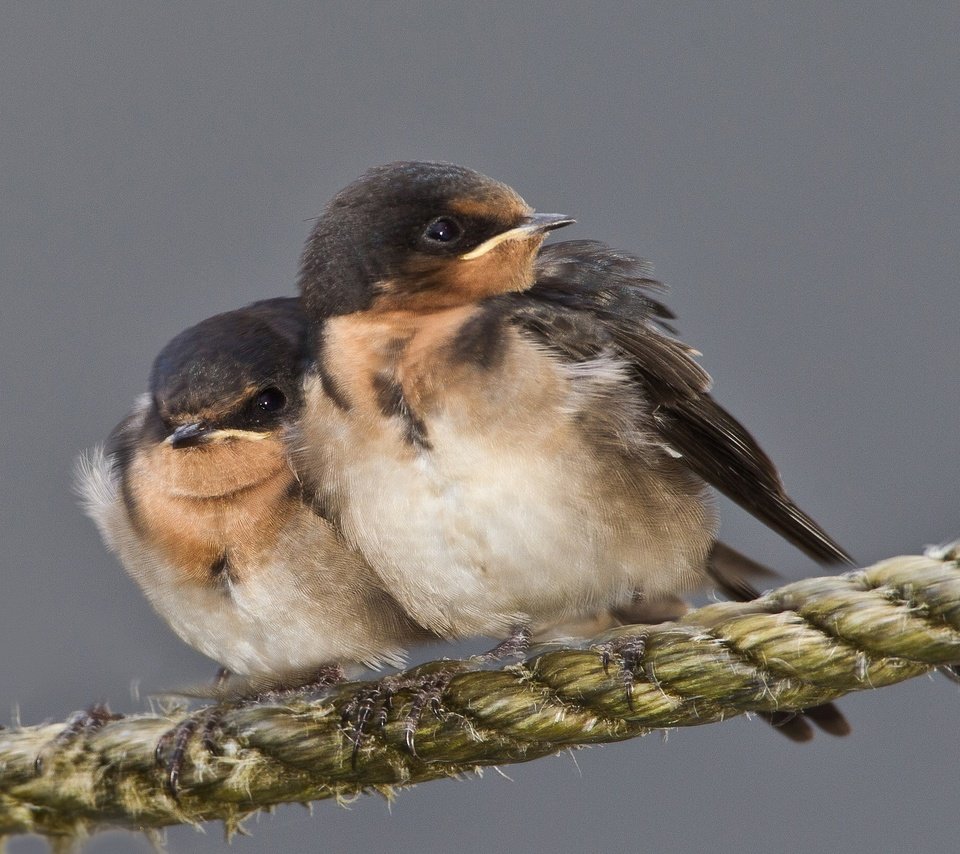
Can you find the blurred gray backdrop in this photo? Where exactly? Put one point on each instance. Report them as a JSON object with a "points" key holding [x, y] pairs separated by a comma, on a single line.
{"points": [[792, 170]]}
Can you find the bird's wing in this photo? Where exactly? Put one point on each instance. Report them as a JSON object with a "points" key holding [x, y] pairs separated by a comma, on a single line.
{"points": [[589, 298]]}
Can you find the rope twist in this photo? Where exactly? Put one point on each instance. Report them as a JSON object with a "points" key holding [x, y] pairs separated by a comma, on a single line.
{"points": [[799, 646]]}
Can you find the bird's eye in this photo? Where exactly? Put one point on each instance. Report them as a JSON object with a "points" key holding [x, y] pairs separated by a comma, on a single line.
{"points": [[270, 400], [443, 230]]}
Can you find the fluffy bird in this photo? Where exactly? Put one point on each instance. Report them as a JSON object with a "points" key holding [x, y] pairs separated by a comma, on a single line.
{"points": [[513, 436], [195, 494], [510, 436]]}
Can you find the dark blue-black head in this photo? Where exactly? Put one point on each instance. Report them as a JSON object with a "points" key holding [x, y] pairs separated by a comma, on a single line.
{"points": [[235, 373], [420, 235]]}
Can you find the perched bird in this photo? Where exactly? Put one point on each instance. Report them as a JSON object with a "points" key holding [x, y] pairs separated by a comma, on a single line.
{"points": [[512, 437], [195, 494]]}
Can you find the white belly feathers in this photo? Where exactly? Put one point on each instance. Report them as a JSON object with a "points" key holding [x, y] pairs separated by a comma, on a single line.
{"points": [[516, 510]]}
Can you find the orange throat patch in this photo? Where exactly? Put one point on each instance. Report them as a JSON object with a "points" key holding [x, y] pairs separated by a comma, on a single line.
{"points": [[214, 507], [436, 285]]}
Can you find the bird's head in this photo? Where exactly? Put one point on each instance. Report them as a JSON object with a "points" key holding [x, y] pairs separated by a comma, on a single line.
{"points": [[221, 393], [417, 235]]}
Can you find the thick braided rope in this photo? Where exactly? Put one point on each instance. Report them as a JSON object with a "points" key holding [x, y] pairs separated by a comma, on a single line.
{"points": [[799, 646]]}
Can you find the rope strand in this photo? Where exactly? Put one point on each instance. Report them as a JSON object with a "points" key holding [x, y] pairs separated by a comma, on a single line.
{"points": [[800, 646]]}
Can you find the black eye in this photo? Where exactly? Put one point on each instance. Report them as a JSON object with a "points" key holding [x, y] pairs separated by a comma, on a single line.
{"points": [[443, 230], [270, 400]]}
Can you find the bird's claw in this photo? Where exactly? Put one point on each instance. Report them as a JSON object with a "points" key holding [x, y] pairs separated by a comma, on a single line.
{"points": [[84, 722], [629, 652], [172, 746]]}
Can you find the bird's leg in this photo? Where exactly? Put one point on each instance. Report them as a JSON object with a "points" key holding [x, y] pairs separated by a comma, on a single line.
{"points": [[428, 689], [367, 711], [629, 651], [172, 747], [84, 722], [175, 741], [322, 677], [517, 643]]}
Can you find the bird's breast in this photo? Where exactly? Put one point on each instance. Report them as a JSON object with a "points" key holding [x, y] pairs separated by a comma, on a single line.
{"points": [[304, 601], [480, 494]]}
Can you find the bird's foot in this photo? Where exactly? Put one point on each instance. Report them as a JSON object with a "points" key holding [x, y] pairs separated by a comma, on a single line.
{"points": [[84, 722], [297, 686], [427, 691], [517, 643], [629, 652], [367, 711], [172, 747], [171, 750]]}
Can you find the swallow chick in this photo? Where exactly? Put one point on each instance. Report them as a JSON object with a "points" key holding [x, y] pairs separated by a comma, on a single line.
{"points": [[512, 434], [512, 437], [195, 494]]}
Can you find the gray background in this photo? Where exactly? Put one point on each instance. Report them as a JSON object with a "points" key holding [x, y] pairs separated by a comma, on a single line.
{"points": [[792, 170]]}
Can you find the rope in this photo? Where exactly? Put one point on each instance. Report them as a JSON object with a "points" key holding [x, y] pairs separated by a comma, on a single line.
{"points": [[797, 647]]}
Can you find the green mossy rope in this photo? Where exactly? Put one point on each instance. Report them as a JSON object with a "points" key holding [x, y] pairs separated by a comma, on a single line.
{"points": [[797, 647]]}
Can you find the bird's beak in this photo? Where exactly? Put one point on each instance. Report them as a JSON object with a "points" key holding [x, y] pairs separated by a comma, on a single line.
{"points": [[538, 223], [189, 435]]}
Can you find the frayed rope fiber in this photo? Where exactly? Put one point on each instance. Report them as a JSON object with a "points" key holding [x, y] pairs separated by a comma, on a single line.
{"points": [[796, 647]]}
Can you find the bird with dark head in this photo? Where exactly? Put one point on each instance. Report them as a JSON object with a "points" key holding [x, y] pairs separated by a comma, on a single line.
{"points": [[233, 377], [512, 436], [196, 495], [397, 238]]}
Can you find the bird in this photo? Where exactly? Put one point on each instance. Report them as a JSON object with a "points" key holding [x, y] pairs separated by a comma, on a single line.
{"points": [[512, 434], [509, 434], [195, 494]]}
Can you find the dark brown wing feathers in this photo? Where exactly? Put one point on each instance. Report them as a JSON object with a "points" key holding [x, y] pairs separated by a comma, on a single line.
{"points": [[589, 299]]}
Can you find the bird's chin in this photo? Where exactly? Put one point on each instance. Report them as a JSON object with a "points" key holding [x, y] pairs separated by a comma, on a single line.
{"points": [[216, 469], [455, 282], [507, 267]]}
